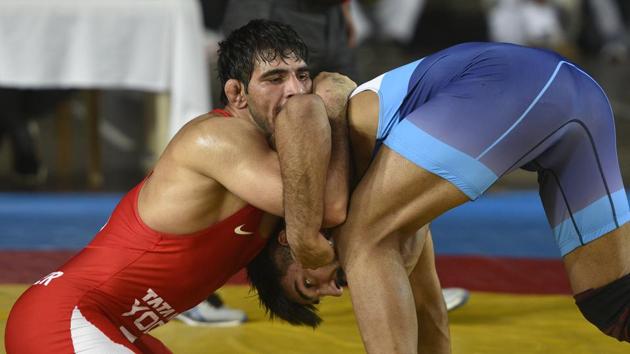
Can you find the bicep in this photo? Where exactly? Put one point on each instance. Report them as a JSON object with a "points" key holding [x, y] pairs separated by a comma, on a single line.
{"points": [[258, 181], [245, 166]]}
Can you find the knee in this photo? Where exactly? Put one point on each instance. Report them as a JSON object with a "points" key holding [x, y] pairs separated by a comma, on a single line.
{"points": [[608, 308], [360, 248]]}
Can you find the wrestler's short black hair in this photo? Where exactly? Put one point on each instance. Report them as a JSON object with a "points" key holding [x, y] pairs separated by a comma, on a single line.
{"points": [[265, 273], [258, 40]]}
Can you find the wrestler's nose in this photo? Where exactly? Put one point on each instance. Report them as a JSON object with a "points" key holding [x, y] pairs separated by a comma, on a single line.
{"points": [[294, 86], [331, 289]]}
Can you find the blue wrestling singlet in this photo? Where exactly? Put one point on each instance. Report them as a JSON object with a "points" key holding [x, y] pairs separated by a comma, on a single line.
{"points": [[474, 112]]}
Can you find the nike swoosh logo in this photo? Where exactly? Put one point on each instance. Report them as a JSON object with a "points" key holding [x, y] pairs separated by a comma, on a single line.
{"points": [[239, 230]]}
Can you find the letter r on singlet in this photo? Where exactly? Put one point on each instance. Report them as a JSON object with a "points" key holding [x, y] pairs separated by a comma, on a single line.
{"points": [[47, 279]]}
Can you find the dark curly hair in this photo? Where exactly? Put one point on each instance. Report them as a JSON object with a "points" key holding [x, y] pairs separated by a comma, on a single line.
{"points": [[262, 40], [265, 273]]}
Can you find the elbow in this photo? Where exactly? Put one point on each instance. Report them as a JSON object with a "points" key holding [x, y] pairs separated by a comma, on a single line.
{"points": [[305, 118], [306, 109], [304, 102], [335, 213]]}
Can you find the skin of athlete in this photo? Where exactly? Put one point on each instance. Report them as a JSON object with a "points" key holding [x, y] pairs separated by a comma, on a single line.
{"points": [[215, 165], [398, 311]]}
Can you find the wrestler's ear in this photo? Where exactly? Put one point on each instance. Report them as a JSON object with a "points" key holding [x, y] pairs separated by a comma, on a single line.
{"points": [[235, 93], [282, 238]]}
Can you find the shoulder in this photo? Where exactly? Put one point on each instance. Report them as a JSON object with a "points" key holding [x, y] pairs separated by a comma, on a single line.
{"points": [[211, 131], [215, 138], [363, 111]]}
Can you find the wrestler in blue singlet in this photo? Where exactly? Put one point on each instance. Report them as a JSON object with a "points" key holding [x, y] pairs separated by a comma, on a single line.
{"points": [[477, 111]]}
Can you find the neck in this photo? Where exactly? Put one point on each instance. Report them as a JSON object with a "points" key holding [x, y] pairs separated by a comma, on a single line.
{"points": [[235, 112], [245, 114]]}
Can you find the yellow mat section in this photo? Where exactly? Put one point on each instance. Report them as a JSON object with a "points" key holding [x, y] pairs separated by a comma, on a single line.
{"points": [[488, 324]]}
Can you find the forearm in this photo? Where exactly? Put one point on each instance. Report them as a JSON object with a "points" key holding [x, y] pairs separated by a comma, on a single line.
{"points": [[303, 141], [334, 90], [338, 177]]}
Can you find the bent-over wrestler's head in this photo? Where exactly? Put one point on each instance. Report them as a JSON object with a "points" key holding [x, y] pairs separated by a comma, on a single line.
{"points": [[286, 289]]}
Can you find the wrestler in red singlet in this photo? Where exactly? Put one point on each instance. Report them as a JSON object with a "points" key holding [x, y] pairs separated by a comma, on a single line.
{"points": [[127, 281]]}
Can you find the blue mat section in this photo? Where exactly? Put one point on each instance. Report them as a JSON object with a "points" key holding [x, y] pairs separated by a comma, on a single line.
{"points": [[511, 224], [46, 221]]}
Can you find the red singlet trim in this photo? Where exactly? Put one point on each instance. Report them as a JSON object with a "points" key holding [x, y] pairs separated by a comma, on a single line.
{"points": [[221, 112]]}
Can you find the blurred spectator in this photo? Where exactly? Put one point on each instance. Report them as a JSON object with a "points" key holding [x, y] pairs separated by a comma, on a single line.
{"points": [[597, 25], [604, 30], [18, 108], [326, 27], [527, 22], [213, 13], [387, 20]]}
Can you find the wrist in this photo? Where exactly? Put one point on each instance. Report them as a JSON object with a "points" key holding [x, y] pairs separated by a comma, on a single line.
{"points": [[312, 252]]}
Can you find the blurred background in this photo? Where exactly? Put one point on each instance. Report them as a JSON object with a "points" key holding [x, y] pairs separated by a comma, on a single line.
{"points": [[91, 91], [89, 94]]}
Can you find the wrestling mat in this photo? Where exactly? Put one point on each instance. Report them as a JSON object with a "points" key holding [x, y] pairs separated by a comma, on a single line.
{"points": [[490, 323], [500, 247]]}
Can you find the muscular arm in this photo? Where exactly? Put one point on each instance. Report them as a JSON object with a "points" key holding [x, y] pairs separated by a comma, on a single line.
{"points": [[320, 168], [237, 156], [433, 332], [303, 141], [337, 178], [301, 182], [334, 90]]}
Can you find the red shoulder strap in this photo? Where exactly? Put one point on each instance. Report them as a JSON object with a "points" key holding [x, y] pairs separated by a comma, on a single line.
{"points": [[221, 112]]}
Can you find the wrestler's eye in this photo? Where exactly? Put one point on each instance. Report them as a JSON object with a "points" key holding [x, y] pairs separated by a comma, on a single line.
{"points": [[308, 283]]}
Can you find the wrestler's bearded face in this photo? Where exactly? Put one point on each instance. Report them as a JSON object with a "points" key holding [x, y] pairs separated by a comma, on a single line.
{"points": [[271, 85]]}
